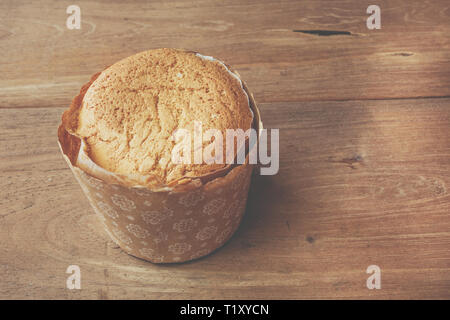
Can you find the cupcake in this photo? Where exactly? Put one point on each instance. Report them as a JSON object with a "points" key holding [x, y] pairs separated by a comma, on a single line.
{"points": [[119, 137]]}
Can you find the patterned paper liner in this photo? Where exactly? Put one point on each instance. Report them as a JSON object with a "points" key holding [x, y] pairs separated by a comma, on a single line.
{"points": [[164, 227], [169, 225]]}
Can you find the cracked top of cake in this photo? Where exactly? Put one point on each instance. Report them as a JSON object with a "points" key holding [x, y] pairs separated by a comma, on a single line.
{"points": [[129, 113]]}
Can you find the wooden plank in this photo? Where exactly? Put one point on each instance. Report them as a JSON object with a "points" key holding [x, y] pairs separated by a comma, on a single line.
{"points": [[43, 64], [360, 183]]}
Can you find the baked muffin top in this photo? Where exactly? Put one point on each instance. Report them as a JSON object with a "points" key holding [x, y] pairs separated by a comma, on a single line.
{"points": [[129, 113]]}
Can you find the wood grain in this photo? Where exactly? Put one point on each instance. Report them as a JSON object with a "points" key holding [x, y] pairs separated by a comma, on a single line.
{"points": [[364, 118], [43, 64], [360, 183]]}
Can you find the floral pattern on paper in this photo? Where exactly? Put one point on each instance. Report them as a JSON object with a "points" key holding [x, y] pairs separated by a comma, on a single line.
{"points": [[191, 199], [179, 248], [156, 217], [150, 254], [206, 233], [160, 237], [123, 202], [105, 208], [93, 182], [147, 203], [121, 236], [172, 227], [99, 195], [185, 225], [224, 234], [214, 207], [137, 231], [142, 192]]}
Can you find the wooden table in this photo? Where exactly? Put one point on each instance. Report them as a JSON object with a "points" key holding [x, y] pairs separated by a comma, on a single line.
{"points": [[364, 119]]}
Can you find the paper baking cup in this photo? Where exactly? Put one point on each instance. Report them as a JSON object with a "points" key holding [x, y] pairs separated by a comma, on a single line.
{"points": [[166, 226]]}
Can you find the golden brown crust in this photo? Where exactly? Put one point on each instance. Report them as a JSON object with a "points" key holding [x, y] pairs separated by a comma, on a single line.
{"points": [[127, 113], [70, 116]]}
